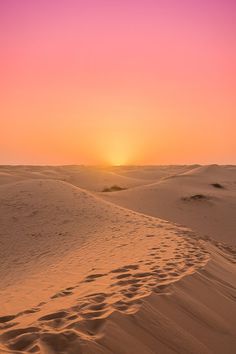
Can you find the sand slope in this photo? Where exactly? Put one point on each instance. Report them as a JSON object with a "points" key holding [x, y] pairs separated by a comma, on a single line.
{"points": [[214, 215], [150, 173], [83, 275], [90, 178]]}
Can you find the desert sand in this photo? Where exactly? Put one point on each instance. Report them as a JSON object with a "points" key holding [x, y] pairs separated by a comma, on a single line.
{"points": [[148, 268]]}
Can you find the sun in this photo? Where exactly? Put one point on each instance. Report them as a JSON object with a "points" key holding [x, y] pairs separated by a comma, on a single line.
{"points": [[117, 160], [117, 151], [118, 156]]}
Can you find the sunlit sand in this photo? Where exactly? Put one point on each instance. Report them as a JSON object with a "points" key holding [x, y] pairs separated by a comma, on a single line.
{"points": [[118, 260]]}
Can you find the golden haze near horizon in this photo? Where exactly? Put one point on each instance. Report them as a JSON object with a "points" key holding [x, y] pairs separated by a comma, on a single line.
{"points": [[125, 83]]}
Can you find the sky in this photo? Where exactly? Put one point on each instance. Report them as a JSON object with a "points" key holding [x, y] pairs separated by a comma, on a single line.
{"points": [[117, 82]]}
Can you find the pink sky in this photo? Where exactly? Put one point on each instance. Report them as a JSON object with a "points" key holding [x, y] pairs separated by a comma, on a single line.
{"points": [[117, 81]]}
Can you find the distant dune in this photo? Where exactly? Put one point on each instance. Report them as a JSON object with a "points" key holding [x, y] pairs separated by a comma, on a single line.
{"points": [[213, 216], [121, 272], [150, 173], [90, 178]]}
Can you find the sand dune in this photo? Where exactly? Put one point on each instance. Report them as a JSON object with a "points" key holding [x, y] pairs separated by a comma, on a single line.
{"points": [[90, 178], [84, 275], [193, 199], [6, 177], [209, 172], [150, 173]]}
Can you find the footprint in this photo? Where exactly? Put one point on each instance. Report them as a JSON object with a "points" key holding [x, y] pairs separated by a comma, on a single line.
{"points": [[70, 288], [121, 305], [142, 275], [8, 325], [122, 283], [62, 294], [168, 268], [149, 263], [53, 316], [17, 332], [23, 341], [93, 277], [162, 275], [33, 310], [97, 307], [120, 270], [129, 294], [93, 314], [97, 297], [122, 276], [161, 287], [5, 319], [174, 274], [132, 266]]}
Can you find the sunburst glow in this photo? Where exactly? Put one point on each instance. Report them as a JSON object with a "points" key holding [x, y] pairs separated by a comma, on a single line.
{"points": [[144, 80]]}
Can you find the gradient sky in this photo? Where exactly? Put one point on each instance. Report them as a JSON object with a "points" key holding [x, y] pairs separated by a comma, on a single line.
{"points": [[124, 81]]}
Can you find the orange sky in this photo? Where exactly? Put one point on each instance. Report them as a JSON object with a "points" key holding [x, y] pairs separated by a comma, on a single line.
{"points": [[135, 82]]}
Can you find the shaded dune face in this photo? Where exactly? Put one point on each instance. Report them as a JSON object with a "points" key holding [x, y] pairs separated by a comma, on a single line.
{"points": [[83, 275]]}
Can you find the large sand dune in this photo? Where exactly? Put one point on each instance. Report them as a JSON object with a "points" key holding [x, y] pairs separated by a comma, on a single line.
{"points": [[84, 275], [203, 199]]}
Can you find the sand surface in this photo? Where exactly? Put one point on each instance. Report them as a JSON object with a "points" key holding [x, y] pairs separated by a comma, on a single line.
{"points": [[143, 270]]}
